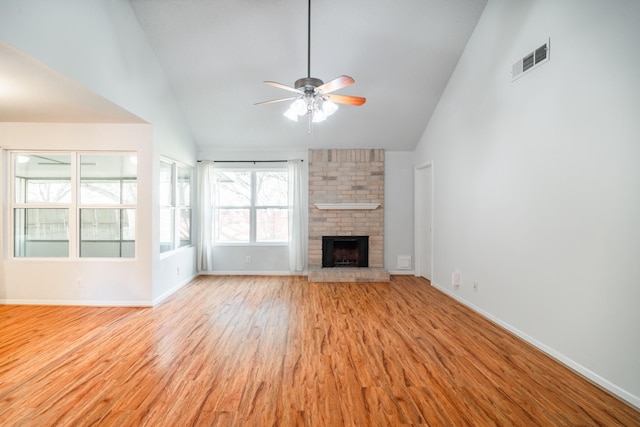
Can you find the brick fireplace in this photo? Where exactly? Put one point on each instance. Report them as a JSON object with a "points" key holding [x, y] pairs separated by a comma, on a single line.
{"points": [[346, 198]]}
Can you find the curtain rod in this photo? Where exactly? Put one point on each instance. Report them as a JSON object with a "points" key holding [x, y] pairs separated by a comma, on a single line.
{"points": [[249, 161]]}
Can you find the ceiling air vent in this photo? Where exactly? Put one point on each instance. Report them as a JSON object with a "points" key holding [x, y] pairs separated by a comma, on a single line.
{"points": [[531, 61]]}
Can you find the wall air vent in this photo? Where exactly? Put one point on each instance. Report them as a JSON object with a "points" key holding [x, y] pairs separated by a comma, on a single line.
{"points": [[531, 61]]}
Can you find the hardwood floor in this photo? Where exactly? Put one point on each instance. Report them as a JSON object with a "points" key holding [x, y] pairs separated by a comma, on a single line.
{"points": [[280, 351]]}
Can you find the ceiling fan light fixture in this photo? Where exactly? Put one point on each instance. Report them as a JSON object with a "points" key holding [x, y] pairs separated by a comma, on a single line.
{"points": [[329, 107], [291, 114], [319, 116], [314, 97], [297, 108], [315, 106], [300, 107]]}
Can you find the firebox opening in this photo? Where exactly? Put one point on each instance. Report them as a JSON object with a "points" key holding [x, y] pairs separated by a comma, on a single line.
{"points": [[345, 251]]}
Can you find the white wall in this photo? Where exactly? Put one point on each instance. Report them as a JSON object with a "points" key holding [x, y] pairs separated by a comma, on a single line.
{"points": [[398, 209], [267, 259], [55, 281], [536, 192], [100, 44]]}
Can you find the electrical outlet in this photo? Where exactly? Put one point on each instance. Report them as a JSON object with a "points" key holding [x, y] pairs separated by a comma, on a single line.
{"points": [[178, 270], [475, 286], [79, 284], [247, 258], [455, 278]]}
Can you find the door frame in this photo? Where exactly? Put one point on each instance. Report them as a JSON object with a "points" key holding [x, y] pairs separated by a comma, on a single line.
{"points": [[418, 192]]}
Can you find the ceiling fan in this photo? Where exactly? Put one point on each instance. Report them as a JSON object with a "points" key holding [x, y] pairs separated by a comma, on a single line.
{"points": [[314, 98]]}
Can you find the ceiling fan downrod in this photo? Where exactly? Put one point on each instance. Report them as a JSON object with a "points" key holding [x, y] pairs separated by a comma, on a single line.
{"points": [[308, 84], [309, 41]]}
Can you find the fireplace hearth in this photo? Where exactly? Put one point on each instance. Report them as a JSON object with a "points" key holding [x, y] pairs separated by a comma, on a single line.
{"points": [[345, 251]]}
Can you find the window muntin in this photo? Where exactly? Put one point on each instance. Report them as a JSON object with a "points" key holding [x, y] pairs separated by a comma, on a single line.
{"points": [[79, 186], [251, 206], [175, 205]]}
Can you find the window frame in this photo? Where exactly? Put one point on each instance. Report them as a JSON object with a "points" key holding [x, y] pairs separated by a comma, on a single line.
{"points": [[253, 207], [175, 208], [74, 206]]}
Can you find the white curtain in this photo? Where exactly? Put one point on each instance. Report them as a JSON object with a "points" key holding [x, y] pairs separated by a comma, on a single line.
{"points": [[297, 240], [205, 216]]}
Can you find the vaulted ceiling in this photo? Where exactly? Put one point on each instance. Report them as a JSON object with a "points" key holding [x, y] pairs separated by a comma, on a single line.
{"points": [[30, 91], [217, 53]]}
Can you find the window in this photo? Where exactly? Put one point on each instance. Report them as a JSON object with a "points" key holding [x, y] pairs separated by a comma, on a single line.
{"points": [[251, 206], [74, 205], [108, 194], [175, 205]]}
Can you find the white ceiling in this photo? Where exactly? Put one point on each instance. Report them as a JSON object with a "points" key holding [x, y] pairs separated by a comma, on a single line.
{"points": [[217, 53], [32, 92]]}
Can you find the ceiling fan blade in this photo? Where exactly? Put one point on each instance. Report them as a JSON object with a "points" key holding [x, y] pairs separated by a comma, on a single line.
{"points": [[277, 100], [346, 99], [281, 86], [335, 84]]}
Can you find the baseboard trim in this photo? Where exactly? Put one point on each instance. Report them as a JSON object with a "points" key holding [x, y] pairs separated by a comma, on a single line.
{"points": [[402, 272], [614, 389], [251, 273], [87, 303]]}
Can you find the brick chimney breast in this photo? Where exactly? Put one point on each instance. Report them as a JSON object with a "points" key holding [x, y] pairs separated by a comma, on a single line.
{"points": [[353, 177]]}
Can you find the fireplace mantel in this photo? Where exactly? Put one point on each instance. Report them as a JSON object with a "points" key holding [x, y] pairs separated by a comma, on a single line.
{"points": [[347, 206]]}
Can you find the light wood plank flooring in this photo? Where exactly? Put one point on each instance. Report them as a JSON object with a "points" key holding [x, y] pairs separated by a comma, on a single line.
{"points": [[245, 351]]}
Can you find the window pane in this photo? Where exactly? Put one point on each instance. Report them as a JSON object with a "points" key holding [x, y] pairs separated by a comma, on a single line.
{"points": [[272, 225], [129, 192], [102, 192], [103, 177], [272, 188], [185, 227], [41, 232], [232, 225], [183, 187], [100, 166], [42, 178], [166, 184], [233, 188], [99, 224], [107, 233], [128, 217], [166, 229], [47, 191]]}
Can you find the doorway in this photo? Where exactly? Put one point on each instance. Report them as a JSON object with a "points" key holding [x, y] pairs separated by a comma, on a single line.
{"points": [[424, 220]]}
